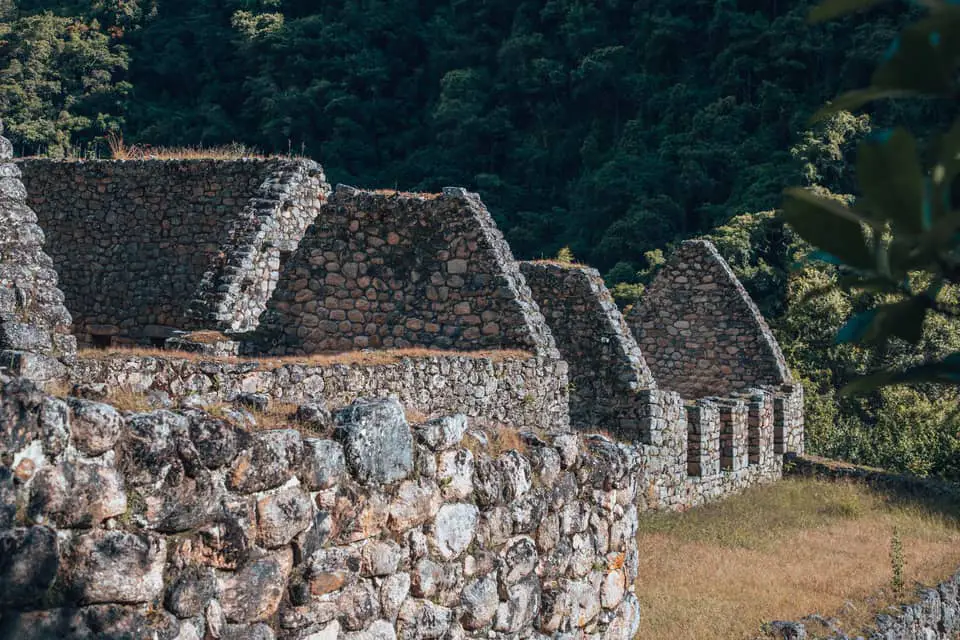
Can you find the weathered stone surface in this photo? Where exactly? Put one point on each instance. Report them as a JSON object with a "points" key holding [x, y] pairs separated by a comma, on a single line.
{"points": [[253, 401], [465, 292], [267, 461], [148, 450], [282, 515], [323, 464], [699, 328], [415, 503], [454, 529], [168, 267], [114, 567], [479, 601], [442, 433], [521, 608], [254, 591], [606, 364], [76, 494], [189, 595], [215, 440], [94, 427], [376, 439], [358, 605], [393, 592], [519, 559], [315, 416], [28, 565], [333, 569], [258, 631], [455, 474], [381, 558], [378, 630], [423, 619]]}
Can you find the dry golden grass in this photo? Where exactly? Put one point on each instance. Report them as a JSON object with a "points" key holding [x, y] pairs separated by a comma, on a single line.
{"points": [[785, 551], [406, 194], [206, 337], [560, 263], [379, 357], [500, 439]]}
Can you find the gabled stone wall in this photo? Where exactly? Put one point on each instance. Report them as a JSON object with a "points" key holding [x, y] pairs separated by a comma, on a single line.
{"points": [[147, 247], [699, 330], [695, 449], [178, 524], [606, 366], [394, 270], [34, 324]]}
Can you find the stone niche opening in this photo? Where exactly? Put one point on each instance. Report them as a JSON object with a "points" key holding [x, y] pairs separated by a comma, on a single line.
{"points": [[151, 247]]}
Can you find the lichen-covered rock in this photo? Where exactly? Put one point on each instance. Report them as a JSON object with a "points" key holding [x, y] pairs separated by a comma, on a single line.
{"points": [[268, 460], [94, 427], [254, 591], [479, 601], [455, 474], [519, 559], [330, 570], [214, 439], [521, 607], [253, 401], [381, 558], [323, 464], [358, 605], [28, 565], [376, 440], [315, 416], [76, 494], [415, 503], [114, 567], [423, 619], [454, 529], [282, 515], [393, 592], [189, 595], [442, 433], [148, 450]]}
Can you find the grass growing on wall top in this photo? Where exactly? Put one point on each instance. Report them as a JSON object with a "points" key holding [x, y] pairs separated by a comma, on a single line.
{"points": [[785, 551]]}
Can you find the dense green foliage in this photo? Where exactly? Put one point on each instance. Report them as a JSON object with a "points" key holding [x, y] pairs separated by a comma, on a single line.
{"points": [[614, 128]]}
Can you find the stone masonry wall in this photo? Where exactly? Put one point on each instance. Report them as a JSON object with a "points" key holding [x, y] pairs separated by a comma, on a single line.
{"points": [[528, 392], [606, 366], [147, 247], [34, 324], [392, 270], [699, 330], [692, 451], [180, 525]]}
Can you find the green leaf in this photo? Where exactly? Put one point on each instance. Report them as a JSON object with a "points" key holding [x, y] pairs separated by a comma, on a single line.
{"points": [[830, 9], [925, 58], [853, 100], [829, 226], [946, 371], [889, 173], [905, 319]]}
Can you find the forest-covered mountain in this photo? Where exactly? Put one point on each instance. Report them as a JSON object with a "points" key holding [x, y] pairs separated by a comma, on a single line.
{"points": [[612, 127]]}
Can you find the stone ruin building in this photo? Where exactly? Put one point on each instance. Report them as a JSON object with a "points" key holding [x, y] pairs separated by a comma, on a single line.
{"points": [[465, 442]]}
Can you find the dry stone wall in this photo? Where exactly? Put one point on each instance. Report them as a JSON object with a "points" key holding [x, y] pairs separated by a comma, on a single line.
{"points": [[181, 525], [393, 270], [699, 330], [606, 366], [694, 451], [147, 247], [35, 335], [529, 392]]}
